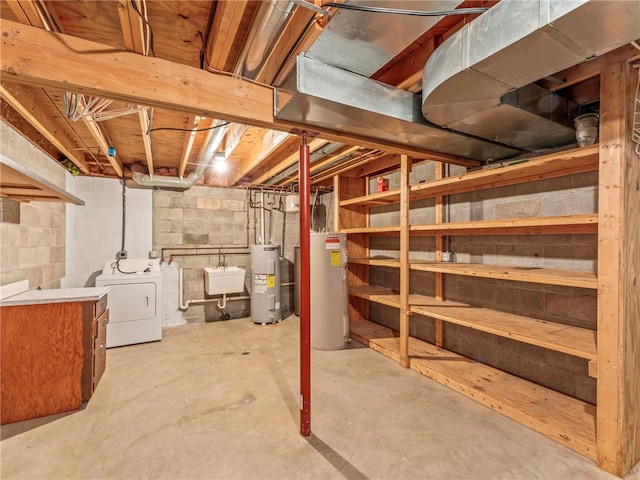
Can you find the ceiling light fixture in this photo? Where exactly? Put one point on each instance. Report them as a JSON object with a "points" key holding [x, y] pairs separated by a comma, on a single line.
{"points": [[220, 164]]}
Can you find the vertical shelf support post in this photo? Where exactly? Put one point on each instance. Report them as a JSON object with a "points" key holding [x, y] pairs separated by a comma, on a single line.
{"points": [[618, 364], [439, 240], [405, 169]]}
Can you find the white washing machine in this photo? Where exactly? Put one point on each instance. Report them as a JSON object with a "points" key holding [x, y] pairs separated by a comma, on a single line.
{"points": [[134, 301]]}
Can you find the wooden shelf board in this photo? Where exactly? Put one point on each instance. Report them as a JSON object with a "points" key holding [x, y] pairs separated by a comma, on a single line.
{"points": [[580, 342], [393, 230], [565, 419], [572, 161], [374, 200], [577, 160], [382, 295], [376, 261], [585, 223], [565, 224], [547, 276]]}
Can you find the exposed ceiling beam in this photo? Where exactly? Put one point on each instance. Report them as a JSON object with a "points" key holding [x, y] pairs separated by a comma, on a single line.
{"points": [[103, 143], [41, 20], [351, 164], [336, 155], [315, 166], [292, 32], [268, 144], [26, 12], [405, 70], [194, 121], [288, 161], [135, 39], [71, 63], [23, 100], [132, 26], [224, 30], [586, 70], [143, 116]]}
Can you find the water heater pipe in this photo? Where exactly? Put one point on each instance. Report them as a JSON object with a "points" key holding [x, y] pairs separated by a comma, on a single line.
{"points": [[305, 289], [262, 227]]}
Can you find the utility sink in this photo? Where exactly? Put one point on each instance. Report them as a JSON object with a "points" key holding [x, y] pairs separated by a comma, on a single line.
{"points": [[220, 280]]}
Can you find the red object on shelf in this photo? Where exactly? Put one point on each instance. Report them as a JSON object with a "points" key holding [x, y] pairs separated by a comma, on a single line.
{"points": [[383, 184]]}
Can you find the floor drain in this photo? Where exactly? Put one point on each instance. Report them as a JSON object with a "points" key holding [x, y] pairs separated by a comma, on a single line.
{"points": [[246, 352]]}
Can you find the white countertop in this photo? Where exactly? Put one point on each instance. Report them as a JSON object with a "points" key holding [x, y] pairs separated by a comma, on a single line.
{"points": [[56, 295]]}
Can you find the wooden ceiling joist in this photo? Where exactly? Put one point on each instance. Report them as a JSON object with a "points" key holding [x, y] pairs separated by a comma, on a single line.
{"points": [[224, 30], [34, 113], [194, 121], [135, 39], [288, 161], [36, 15], [104, 145], [28, 12], [132, 26], [74, 63]]}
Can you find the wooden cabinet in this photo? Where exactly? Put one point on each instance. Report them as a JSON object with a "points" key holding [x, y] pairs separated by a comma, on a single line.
{"points": [[95, 319], [52, 356], [564, 418]]}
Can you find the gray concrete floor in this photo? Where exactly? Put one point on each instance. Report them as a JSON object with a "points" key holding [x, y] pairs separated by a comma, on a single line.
{"points": [[220, 400]]}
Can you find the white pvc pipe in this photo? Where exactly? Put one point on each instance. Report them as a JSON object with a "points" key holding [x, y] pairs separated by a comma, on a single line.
{"points": [[184, 305]]}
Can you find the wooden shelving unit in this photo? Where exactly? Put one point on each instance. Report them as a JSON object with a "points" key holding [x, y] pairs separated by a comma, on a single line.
{"points": [[563, 418], [547, 276], [607, 433]]}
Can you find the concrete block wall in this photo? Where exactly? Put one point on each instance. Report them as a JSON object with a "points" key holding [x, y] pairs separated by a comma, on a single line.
{"points": [[33, 249], [574, 194], [218, 217]]}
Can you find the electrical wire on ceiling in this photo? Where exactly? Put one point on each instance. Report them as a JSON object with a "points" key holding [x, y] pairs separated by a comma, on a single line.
{"points": [[188, 129], [400, 11], [149, 44]]}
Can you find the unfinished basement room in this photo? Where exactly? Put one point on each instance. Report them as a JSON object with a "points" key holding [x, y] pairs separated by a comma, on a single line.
{"points": [[306, 239]]}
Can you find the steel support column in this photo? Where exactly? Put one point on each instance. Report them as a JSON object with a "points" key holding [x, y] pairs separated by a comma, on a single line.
{"points": [[304, 289]]}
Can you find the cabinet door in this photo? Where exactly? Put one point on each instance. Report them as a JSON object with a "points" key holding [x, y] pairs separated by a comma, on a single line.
{"points": [[100, 348]]}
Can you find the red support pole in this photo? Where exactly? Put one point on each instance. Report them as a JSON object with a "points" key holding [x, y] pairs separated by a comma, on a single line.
{"points": [[304, 288]]}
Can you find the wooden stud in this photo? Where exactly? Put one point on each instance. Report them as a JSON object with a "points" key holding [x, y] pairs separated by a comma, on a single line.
{"points": [[618, 362], [439, 280], [357, 245], [405, 169]]}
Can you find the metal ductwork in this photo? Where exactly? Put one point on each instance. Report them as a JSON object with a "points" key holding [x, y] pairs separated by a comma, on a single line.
{"points": [[330, 97], [268, 23], [184, 183], [479, 81], [332, 89], [266, 28]]}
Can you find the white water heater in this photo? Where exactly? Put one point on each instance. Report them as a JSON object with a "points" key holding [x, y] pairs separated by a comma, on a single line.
{"points": [[265, 284], [329, 294]]}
